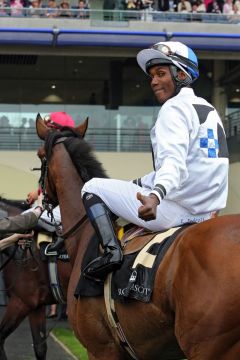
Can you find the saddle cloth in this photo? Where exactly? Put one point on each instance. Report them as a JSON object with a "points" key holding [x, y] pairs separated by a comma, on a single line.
{"points": [[136, 276]]}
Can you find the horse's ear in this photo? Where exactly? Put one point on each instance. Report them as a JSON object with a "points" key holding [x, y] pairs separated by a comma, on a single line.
{"points": [[82, 128], [41, 127]]}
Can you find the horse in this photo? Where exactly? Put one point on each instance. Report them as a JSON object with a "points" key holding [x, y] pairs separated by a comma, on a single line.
{"points": [[9, 207], [194, 308], [27, 284]]}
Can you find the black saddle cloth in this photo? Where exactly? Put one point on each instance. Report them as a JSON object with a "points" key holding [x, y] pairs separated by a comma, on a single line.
{"points": [[127, 282]]}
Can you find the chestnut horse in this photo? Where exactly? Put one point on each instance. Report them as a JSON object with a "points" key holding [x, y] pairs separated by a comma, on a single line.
{"points": [[194, 309], [27, 285]]}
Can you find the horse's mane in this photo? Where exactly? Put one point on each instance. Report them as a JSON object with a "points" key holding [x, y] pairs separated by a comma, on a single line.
{"points": [[20, 204], [80, 152]]}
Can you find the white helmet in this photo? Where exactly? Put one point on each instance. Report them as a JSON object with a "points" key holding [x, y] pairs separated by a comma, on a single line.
{"points": [[170, 53]]}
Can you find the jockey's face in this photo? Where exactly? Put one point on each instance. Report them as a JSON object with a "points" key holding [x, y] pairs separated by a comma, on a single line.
{"points": [[162, 83]]}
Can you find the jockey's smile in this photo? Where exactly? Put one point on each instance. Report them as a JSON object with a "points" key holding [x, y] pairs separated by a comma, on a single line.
{"points": [[162, 83]]}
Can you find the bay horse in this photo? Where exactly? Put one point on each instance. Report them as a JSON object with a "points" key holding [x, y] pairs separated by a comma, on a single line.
{"points": [[194, 309], [28, 288]]}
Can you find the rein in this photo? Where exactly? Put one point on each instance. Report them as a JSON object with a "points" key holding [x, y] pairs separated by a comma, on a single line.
{"points": [[75, 227], [46, 203]]}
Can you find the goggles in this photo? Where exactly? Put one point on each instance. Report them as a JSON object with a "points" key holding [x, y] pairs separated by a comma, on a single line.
{"points": [[51, 123], [165, 50]]}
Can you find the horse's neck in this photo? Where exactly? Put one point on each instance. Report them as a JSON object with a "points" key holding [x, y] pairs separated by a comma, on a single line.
{"points": [[68, 186]]}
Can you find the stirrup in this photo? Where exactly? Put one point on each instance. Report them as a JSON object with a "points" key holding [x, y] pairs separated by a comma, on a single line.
{"points": [[48, 252], [53, 247]]}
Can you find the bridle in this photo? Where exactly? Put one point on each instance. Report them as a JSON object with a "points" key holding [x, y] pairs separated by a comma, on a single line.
{"points": [[47, 203]]}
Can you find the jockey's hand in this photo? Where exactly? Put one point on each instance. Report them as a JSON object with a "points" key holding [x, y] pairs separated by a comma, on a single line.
{"points": [[148, 209], [32, 197]]}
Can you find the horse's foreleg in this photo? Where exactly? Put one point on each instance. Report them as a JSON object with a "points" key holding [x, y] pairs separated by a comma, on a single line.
{"points": [[37, 320], [14, 314]]}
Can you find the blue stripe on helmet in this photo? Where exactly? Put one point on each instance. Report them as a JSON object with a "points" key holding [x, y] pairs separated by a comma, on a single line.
{"points": [[193, 58]]}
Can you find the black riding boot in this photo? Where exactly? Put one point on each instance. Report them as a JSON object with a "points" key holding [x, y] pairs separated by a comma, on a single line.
{"points": [[111, 259]]}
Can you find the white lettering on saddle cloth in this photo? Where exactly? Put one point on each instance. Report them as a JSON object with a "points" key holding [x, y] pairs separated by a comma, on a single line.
{"points": [[137, 288]]}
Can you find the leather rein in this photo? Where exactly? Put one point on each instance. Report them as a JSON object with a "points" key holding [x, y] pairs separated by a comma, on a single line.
{"points": [[46, 201]]}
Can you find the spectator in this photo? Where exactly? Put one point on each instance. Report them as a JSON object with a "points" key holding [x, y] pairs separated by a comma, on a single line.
{"points": [[52, 10], [64, 9], [148, 4], [228, 7], [32, 124], [130, 5], [4, 123], [208, 3], [139, 5], [237, 7], [163, 5], [35, 8], [3, 11], [6, 133], [120, 5], [214, 8], [200, 6], [83, 12], [133, 5], [184, 6], [17, 8]]}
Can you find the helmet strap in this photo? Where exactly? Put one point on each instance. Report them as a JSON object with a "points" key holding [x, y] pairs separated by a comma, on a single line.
{"points": [[179, 84]]}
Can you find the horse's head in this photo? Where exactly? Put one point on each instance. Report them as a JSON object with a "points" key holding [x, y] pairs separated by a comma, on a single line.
{"points": [[65, 149]]}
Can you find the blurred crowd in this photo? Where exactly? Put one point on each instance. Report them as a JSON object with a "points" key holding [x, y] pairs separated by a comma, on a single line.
{"points": [[229, 7], [38, 8], [64, 8]]}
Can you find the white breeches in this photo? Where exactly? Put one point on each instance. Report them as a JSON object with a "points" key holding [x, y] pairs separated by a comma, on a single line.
{"points": [[120, 197]]}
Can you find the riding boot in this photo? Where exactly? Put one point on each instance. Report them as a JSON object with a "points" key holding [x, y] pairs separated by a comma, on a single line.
{"points": [[111, 259]]}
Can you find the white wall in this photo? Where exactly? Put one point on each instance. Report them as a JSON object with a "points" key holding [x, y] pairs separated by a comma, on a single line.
{"points": [[17, 179]]}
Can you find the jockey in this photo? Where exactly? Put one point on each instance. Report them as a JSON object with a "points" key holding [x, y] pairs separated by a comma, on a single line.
{"points": [[55, 120], [59, 119], [190, 159]]}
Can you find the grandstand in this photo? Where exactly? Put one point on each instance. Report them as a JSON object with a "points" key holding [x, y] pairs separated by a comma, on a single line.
{"points": [[85, 64]]}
